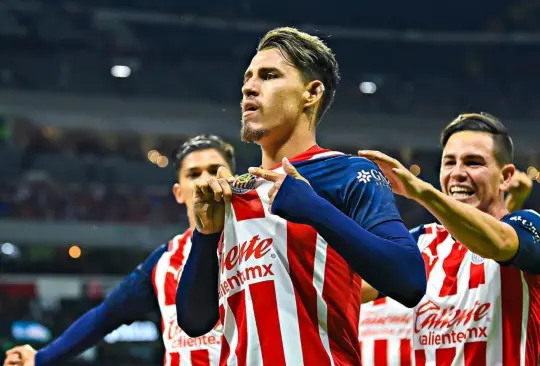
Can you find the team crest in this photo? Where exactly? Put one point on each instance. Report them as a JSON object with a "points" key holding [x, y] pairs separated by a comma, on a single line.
{"points": [[243, 183], [476, 259]]}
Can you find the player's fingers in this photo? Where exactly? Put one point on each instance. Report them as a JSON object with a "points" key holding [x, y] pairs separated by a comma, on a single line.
{"points": [[214, 185], [289, 169], [226, 189], [225, 173], [272, 198], [273, 191], [377, 156], [265, 174], [16, 350]]}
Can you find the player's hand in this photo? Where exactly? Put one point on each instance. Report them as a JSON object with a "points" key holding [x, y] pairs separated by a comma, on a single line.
{"points": [[520, 188], [209, 197], [21, 356], [403, 182], [277, 178]]}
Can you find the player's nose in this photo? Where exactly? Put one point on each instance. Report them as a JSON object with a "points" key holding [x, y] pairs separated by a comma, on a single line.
{"points": [[251, 88]]}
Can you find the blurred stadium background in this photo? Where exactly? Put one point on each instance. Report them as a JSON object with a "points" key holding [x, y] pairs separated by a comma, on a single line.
{"points": [[95, 95]]}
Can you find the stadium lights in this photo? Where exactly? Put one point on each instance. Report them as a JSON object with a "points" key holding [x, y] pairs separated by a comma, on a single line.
{"points": [[415, 169], [74, 252], [368, 87], [120, 71], [162, 161]]}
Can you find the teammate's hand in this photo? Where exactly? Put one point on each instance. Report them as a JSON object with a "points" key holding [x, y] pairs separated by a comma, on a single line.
{"points": [[21, 356], [519, 190], [403, 182], [277, 178], [209, 197]]}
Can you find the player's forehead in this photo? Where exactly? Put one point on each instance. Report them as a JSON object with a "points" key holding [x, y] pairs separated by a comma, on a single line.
{"points": [[469, 143], [270, 58], [203, 159]]}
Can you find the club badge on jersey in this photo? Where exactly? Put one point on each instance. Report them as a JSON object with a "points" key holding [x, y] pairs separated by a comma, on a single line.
{"points": [[243, 183]]}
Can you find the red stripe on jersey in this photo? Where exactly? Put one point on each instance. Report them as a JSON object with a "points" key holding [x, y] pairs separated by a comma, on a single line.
{"points": [[175, 359], [511, 310], [477, 275], [265, 308], [225, 348], [451, 266], [200, 358], [308, 154], [248, 206], [380, 301], [380, 352], [237, 304], [342, 327], [433, 257], [475, 353], [445, 356], [301, 247], [176, 261], [533, 326], [405, 352], [419, 357]]}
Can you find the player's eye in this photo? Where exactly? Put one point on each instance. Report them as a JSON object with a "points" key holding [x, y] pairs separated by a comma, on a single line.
{"points": [[194, 175], [449, 163], [270, 75]]}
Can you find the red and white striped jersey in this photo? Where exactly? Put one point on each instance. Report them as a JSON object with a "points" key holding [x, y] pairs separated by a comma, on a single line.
{"points": [[286, 297], [180, 349], [476, 312], [385, 333]]}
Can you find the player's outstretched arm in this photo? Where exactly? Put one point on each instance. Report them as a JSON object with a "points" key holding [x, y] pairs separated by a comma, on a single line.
{"points": [[514, 239], [376, 243], [130, 300]]}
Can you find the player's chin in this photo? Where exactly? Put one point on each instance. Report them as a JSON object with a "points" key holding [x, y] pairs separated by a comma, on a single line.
{"points": [[251, 132]]}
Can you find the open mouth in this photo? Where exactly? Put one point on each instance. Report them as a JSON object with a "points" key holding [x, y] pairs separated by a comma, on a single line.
{"points": [[461, 192]]}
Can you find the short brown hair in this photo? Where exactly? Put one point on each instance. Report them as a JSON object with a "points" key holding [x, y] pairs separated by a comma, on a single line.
{"points": [[483, 122], [310, 55]]}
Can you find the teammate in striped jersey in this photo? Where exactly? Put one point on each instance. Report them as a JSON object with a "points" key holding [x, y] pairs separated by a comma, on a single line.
{"points": [[288, 275], [150, 287], [385, 332], [482, 305]]}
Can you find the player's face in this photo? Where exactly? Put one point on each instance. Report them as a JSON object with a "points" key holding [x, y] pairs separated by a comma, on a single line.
{"points": [[272, 97], [201, 163], [470, 172]]}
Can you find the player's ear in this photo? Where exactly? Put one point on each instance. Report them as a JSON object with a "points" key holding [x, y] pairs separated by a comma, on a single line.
{"points": [[313, 94], [507, 172], [178, 194]]}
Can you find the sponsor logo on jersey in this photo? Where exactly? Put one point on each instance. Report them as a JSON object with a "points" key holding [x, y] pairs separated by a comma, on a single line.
{"points": [[244, 264], [373, 176], [436, 325]]}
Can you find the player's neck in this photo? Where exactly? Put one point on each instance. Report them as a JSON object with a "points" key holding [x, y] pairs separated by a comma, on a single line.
{"points": [[296, 143], [498, 210]]}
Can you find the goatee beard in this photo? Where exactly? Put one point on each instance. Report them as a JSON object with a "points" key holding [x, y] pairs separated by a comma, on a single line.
{"points": [[249, 134]]}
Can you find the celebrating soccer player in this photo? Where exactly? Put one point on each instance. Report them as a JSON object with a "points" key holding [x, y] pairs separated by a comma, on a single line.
{"points": [[482, 305], [385, 332], [152, 286], [299, 232]]}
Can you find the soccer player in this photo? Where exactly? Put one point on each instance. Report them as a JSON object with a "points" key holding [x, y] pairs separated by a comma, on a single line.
{"points": [[386, 327], [482, 305], [299, 232], [152, 286]]}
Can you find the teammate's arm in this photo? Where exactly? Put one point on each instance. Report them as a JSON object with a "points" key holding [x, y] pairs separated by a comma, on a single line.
{"points": [[130, 300], [483, 234], [371, 236]]}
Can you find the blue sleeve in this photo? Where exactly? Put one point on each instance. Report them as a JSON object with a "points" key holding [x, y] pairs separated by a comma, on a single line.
{"points": [[381, 250], [197, 302], [367, 195], [130, 300], [417, 232], [526, 223]]}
